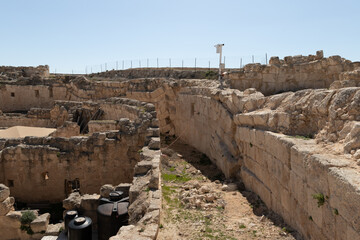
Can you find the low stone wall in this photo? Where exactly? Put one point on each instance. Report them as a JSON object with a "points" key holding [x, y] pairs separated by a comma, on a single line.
{"points": [[305, 187], [145, 198], [15, 72], [291, 74]]}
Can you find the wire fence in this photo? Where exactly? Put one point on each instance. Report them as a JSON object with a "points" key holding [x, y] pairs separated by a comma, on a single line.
{"points": [[231, 62]]}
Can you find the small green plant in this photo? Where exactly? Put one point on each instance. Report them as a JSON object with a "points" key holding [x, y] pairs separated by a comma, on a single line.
{"points": [[140, 151], [336, 212], [58, 154], [27, 229], [172, 169], [320, 198], [27, 217], [254, 233], [242, 226], [161, 226], [310, 218], [251, 145], [141, 230], [61, 229]]}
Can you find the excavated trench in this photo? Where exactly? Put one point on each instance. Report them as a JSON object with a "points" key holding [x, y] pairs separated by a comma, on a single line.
{"points": [[200, 203]]}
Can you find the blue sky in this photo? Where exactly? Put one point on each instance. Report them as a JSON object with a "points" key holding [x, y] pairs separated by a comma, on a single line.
{"points": [[80, 35]]}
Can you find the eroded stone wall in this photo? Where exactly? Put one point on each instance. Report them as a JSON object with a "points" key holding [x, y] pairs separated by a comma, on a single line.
{"points": [[291, 74], [37, 168]]}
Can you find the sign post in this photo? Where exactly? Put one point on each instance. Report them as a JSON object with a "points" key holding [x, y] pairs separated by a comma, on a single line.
{"points": [[221, 65]]}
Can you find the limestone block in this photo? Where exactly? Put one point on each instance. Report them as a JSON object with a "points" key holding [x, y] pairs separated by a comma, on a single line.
{"points": [[344, 194], [278, 170], [340, 228], [154, 143], [54, 229], [105, 190], [328, 224], [259, 138], [262, 157], [298, 189], [40, 223], [6, 206], [312, 208], [299, 155], [155, 179], [279, 147], [123, 187], [242, 134], [150, 231], [89, 202], [155, 204], [4, 192], [300, 218], [72, 202], [317, 169], [143, 167]]}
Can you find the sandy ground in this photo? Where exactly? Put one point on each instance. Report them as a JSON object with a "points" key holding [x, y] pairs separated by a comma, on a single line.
{"points": [[237, 214]]}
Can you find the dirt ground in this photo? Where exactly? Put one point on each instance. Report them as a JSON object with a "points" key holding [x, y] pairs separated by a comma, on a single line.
{"points": [[199, 203]]}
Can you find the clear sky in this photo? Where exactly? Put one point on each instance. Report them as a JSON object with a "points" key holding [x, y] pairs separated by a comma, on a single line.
{"points": [[72, 35]]}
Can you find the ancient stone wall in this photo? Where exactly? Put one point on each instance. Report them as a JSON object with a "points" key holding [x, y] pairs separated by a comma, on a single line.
{"points": [[289, 174], [16, 72], [291, 74], [36, 168]]}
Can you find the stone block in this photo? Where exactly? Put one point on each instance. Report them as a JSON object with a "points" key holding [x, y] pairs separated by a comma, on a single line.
{"points": [[6, 206], [262, 157], [259, 139], [298, 189], [328, 225], [313, 209], [317, 170], [244, 119], [154, 143], [40, 224], [72, 202], [123, 187], [54, 229], [279, 147], [105, 190], [4, 192], [154, 179], [143, 167], [340, 228], [344, 184], [89, 202], [299, 157], [243, 134]]}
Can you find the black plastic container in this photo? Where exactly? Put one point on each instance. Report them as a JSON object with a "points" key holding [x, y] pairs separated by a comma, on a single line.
{"points": [[80, 228], [111, 216], [70, 215]]}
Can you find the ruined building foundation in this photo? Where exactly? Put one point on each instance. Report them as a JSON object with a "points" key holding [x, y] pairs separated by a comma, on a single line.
{"points": [[290, 131]]}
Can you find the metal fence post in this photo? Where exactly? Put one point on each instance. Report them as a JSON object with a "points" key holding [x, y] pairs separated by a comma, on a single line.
{"points": [[157, 62], [195, 64]]}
